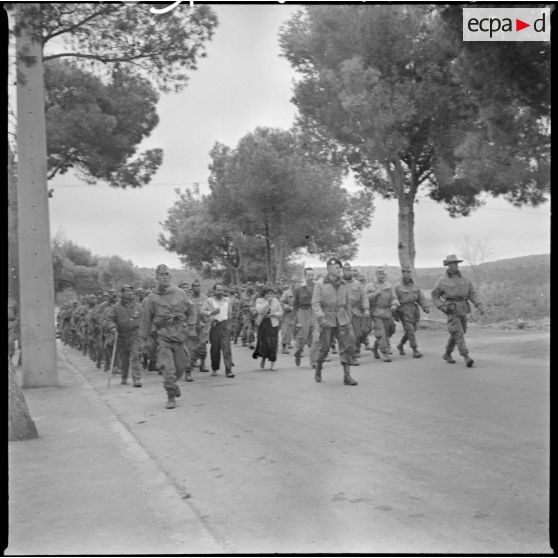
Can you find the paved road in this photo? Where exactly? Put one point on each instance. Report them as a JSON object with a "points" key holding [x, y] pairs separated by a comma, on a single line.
{"points": [[420, 457]]}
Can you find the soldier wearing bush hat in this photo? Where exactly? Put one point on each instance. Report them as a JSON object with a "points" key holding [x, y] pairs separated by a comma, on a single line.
{"points": [[451, 295]]}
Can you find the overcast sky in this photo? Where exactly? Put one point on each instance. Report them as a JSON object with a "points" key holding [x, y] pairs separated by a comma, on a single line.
{"points": [[244, 83]]}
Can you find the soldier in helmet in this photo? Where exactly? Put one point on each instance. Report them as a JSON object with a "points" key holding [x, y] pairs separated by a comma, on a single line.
{"points": [[411, 300], [172, 313], [124, 318], [451, 295]]}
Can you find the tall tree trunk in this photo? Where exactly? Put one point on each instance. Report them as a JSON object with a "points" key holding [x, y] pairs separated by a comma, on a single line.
{"points": [[38, 342], [405, 217]]}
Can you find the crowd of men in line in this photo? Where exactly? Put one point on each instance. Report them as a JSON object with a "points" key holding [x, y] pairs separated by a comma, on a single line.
{"points": [[168, 329]]}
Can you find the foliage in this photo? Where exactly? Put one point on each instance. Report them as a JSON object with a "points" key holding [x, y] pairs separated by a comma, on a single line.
{"points": [[96, 127], [382, 87], [106, 36], [75, 268], [270, 199]]}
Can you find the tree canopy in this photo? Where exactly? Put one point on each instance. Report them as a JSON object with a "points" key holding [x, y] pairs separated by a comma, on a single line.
{"points": [[104, 36], [379, 85], [268, 189], [95, 128]]}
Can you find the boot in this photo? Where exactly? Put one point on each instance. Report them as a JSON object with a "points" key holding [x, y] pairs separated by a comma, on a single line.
{"points": [[448, 358], [202, 366], [285, 350], [188, 377], [297, 358], [386, 357], [229, 374], [137, 383], [124, 380], [333, 350], [347, 380], [400, 349], [469, 361], [318, 372], [171, 403], [416, 353], [375, 350]]}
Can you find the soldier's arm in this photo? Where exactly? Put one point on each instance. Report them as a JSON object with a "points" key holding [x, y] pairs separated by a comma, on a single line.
{"points": [[474, 297], [146, 317], [295, 301], [109, 319], [364, 300], [437, 296], [422, 301], [317, 309]]}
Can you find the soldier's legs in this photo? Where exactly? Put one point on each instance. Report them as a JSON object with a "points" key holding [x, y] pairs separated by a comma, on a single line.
{"points": [[315, 345], [346, 341], [409, 328], [325, 335], [456, 329], [135, 361], [123, 350], [172, 360], [381, 334], [356, 322]]}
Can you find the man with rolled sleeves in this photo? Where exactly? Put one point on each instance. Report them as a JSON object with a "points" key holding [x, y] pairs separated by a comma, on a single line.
{"points": [[411, 300], [173, 314], [360, 309], [451, 295], [217, 309], [124, 317], [382, 304], [331, 307]]}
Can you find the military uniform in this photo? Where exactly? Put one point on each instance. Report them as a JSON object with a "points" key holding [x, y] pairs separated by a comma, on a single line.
{"points": [[382, 302], [360, 311], [452, 294], [198, 344], [305, 332], [411, 300], [124, 317], [173, 314], [331, 307], [247, 303], [287, 325]]}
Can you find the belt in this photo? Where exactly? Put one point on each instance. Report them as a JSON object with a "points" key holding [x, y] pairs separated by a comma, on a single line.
{"points": [[457, 299], [305, 306]]}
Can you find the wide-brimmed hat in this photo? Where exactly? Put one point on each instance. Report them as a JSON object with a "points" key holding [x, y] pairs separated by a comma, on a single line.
{"points": [[452, 258]]}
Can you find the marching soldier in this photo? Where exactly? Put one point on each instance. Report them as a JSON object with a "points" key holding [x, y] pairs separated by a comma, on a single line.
{"points": [[304, 319], [286, 301], [411, 300], [172, 313], [247, 305], [91, 341], [382, 303], [360, 309], [124, 318], [198, 348], [451, 295], [107, 336], [331, 306]]}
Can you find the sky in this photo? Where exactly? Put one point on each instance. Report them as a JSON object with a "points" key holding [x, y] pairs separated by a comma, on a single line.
{"points": [[244, 83]]}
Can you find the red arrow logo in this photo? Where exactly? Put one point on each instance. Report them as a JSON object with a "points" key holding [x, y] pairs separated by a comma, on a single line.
{"points": [[519, 25]]}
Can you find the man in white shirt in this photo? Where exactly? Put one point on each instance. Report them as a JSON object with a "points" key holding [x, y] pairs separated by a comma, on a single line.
{"points": [[218, 309]]}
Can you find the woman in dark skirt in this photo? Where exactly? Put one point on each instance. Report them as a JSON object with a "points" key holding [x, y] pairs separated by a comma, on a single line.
{"points": [[268, 319]]}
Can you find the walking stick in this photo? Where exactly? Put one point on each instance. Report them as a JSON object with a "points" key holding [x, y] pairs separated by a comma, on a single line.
{"points": [[113, 356]]}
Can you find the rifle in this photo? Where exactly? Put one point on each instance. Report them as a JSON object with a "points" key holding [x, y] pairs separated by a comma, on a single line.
{"points": [[113, 356]]}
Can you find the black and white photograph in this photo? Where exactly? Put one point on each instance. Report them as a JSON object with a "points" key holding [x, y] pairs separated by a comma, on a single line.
{"points": [[278, 278]]}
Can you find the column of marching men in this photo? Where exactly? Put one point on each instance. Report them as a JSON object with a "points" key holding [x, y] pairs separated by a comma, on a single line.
{"points": [[168, 329]]}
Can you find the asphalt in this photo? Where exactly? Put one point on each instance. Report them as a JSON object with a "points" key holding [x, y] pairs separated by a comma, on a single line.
{"points": [[87, 487]]}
